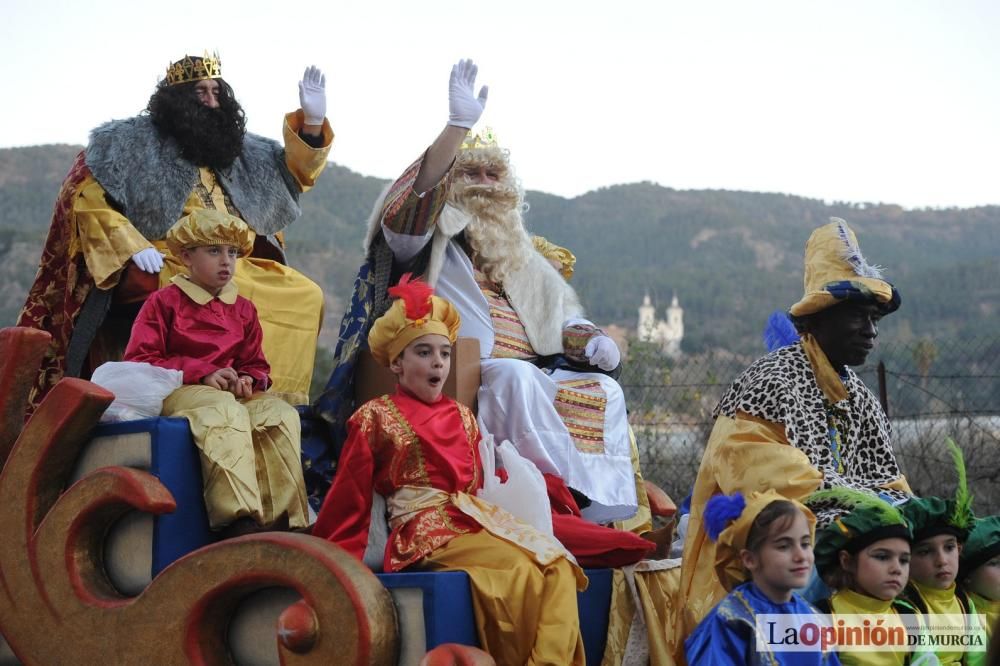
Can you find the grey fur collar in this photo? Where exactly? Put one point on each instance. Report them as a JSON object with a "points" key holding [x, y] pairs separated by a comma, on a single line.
{"points": [[147, 177]]}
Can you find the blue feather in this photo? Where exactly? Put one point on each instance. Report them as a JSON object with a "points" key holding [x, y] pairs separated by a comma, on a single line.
{"points": [[780, 331], [720, 510]]}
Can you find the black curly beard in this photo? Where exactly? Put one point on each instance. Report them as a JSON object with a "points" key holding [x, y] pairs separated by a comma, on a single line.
{"points": [[207, 137]]}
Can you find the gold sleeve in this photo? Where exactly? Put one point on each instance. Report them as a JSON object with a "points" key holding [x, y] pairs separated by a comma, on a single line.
{"points": [[305, 162], [642, 521], [105, 237], [751, 454], [556, 254]]}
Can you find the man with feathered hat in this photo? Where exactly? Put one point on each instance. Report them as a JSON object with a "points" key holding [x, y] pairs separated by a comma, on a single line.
{"points": [[455, 216], [137, 177], [799, 419]]}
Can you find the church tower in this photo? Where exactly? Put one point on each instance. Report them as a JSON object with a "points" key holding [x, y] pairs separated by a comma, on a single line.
{"points": [[674, 329], [667, 334], [646, 330]]}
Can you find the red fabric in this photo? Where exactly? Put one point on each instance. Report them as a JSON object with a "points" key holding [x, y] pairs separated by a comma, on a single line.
{"points": [[593, 545], [416, 295], [660, 503], [560, 497], [135, 285], [172, 331], [60, 288], [396, 441]]}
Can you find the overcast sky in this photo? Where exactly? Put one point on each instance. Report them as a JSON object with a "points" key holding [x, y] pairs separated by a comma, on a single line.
{"points": [[856, 100]]}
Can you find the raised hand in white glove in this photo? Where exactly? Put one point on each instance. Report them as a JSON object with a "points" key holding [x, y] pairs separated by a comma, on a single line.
{"points": [[464, 108], [312, 95], [149, 260], [603, 352]]}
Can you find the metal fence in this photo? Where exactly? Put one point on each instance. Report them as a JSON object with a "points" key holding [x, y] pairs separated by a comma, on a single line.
{"points": [[933, 389]]}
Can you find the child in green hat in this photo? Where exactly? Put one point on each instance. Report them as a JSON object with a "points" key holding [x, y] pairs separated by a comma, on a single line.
{"points": [[864, 556], [940, 527], [979, 570]]}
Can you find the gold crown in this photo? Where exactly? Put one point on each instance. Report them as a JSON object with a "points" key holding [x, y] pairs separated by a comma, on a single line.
{"points": [[195, 68], [484, 139]]}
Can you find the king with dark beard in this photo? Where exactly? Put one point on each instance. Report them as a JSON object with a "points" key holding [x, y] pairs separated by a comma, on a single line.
{"points": [[106, 252]]}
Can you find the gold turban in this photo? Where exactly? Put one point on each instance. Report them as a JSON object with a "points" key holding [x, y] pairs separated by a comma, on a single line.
{"points": [[733, 538], [415, 313], [206, 226]]}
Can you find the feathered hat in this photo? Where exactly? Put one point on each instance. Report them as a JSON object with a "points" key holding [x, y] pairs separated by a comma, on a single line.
{"points": [[870, 519], [931, 516], [982, 545], [836, 271], [415, 312], [728, 519]]}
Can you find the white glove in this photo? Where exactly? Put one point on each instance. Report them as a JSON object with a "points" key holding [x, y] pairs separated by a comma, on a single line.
{"points": [[312, 95], [464, 109], [603, 352], [149, 260]]}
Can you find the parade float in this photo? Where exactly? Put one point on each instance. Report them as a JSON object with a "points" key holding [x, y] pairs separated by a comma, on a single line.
{"points": [[106, 556]]}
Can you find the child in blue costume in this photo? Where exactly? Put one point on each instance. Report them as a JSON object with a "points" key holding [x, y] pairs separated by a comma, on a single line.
{"points": [[768, 539]]}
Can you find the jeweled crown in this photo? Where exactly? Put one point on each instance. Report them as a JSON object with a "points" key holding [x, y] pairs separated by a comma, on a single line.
{"points": [[195, 68], [484, 139]]}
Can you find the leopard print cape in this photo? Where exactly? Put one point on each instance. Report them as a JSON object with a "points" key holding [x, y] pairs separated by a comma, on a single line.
{"points": [[848, 441]]}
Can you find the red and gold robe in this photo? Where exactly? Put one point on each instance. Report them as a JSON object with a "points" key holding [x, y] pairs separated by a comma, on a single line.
{"points": [[425, 459], [396, 441]]}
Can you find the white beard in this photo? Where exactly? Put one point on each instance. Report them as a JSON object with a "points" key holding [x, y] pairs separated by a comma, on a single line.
{"points": [[499, 241], [541, 297]]}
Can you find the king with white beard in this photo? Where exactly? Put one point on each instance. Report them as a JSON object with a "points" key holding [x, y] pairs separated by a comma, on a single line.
{"points": [[457, 214]]}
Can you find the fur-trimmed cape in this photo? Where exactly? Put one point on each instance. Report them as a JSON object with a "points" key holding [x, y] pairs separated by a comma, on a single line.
{"points": [[145, 174], [147, 180]]}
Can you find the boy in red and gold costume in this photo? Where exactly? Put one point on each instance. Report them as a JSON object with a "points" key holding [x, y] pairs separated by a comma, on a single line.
{"points": [[249, 440], [420, 449]]}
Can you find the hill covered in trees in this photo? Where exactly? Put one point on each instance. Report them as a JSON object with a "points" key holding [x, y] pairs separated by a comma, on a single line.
{"points": [[731, 257]]}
